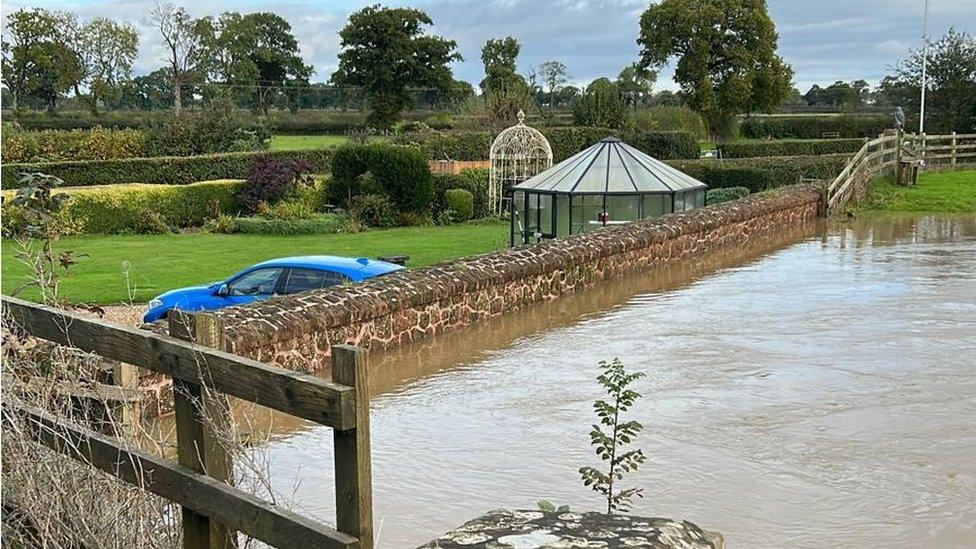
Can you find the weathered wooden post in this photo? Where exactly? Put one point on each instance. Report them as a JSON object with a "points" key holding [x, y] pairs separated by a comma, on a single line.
{"points": [[922, 149], [353, 472], [952, 161], [898, 145], [200, 414]]}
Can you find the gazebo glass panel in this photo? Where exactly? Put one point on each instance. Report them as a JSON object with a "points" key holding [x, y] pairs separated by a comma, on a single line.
{"points": [[699, 199], [545, 214], [562, 214], [656, 205], [586, 212], [624, 207], [679, 202]]}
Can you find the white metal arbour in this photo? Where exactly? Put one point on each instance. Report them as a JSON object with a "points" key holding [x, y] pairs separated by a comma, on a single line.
{"points": [[517, 154]]}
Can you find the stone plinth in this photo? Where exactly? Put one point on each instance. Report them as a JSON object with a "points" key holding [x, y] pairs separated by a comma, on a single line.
{"points": [[532, 529]]}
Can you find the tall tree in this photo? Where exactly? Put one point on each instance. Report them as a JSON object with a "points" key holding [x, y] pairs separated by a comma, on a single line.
{"points": [[181, 39], [106, 49], [950, 103], [256, 52], [554, 75], [499, 56], [385, 51], [38, 54], [602, 105], [635, 83], [726, 51]]}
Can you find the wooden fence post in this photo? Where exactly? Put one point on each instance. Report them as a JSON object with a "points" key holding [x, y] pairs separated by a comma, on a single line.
{"points": [[353, 473], [199, 414], [898, 144], [952, 161]]}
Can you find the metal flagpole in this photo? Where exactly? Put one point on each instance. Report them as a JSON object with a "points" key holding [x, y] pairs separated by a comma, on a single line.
{"points": [[925, 58]]}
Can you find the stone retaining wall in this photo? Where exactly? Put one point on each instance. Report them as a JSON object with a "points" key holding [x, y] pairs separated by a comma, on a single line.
{"points": [[298, 331]]}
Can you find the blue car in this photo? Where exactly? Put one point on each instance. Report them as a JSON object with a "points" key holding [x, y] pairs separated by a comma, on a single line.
{"points": [[287, 275]]}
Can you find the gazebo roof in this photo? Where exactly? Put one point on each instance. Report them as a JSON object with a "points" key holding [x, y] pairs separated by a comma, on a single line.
{"points": [[610, 167]]}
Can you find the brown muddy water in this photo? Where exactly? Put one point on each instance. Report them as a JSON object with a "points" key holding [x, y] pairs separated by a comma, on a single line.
{"points": [[814, 390]]}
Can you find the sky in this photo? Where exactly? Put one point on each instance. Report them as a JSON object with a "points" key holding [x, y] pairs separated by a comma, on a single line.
{"points": [[824, 40]]}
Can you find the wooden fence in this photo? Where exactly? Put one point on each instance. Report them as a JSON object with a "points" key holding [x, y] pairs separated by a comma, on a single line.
{"points": [[213, 510], [889, 153]]}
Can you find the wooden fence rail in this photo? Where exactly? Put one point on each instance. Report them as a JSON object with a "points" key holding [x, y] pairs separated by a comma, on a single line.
{"points": [[213, 510], [886, 154]]}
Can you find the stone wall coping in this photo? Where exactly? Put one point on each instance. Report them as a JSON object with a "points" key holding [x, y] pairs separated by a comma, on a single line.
{"points": [[284, 317]]}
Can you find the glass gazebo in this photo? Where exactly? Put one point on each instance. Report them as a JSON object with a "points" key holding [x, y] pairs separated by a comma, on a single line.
{"points": [[610, 183]]}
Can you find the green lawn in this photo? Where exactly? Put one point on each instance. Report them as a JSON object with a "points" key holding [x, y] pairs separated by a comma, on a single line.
{"points": [[156, 263], [951, 192], [301, 142]]}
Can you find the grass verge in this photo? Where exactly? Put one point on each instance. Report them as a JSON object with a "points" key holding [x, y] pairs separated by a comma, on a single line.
{"points": [[950, 192], [119, 269]]}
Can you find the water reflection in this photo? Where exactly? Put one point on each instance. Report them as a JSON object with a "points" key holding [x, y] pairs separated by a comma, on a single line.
{"points": [[815, 390]]}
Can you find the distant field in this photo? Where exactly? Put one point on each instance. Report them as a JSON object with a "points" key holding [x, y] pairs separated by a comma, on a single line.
{"points": [[302, 142]]}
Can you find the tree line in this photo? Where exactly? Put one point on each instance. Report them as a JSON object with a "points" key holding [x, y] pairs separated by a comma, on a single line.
{"points": [[724, 53]]}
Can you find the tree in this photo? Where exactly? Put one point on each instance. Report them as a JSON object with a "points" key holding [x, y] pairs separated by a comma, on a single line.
{"points": [[153, 91], [38, 55], [950, 103], [182, 42], [256, 52], [726, 50], [601, 106], [554, 75], [385, 51], [499, 56], [107, 50], [635, 83]]}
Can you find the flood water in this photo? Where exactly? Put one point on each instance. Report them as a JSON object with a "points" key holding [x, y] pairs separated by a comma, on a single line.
{"points": [[816, 390]]}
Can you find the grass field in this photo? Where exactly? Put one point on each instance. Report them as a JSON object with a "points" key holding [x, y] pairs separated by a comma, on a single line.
{"points": [[302, 142], [950, 192], [117, 269]]}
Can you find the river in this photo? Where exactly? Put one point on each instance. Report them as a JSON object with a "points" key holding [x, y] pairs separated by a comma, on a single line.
{"points": [[816, 389]]}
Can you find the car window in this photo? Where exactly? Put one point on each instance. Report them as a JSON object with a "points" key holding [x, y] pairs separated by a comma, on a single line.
{"points": [[303, 280], [258, 282]]}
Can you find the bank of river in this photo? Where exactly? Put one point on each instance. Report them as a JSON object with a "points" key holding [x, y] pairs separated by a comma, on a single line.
{"points": [[815, 390]]}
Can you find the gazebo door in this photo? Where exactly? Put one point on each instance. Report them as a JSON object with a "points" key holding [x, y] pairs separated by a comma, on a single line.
{"points": [[540, 216]]}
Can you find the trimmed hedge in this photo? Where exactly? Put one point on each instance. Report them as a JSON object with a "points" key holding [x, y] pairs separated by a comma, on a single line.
{"points": [[401, 173], [135, 208], [320, 224], [718, 196], [813, 127], [565, 142], [162, 170], [82, 120], [461, 201], [760, 174], [790, 147], [93, 144], [473, 181]]}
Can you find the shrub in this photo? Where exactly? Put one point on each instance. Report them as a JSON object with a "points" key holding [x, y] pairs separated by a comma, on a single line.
{"points": [[474, 181], [461, 202], [601, 105], [790, 147], [168, 170], [134, 208], [813, 127], [319, 224], [413, 219], [93, 144], [271, 179], [458, 145], [760, 174], [665, 145], [718, 196], [217, 128], [402, 173], [373, 210]]}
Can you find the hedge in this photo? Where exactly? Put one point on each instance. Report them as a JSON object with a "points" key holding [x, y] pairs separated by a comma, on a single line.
{"points": [[473, 181], [565, 142], [790, 147], [728, 194], [93, 144], [760, 174], [813, 127], [401, 173], [320, 224], [165, 170], [138, 208]]}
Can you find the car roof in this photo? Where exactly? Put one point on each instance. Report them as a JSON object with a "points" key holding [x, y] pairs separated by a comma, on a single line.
{"points": [[355, 268]]}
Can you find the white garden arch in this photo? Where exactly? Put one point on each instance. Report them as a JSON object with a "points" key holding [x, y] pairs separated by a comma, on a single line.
{"points": [[517, 154]]}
